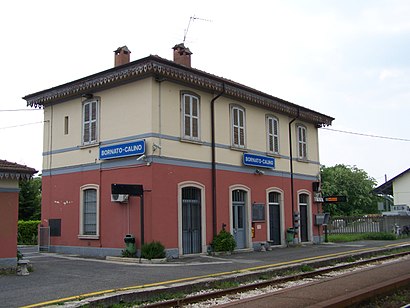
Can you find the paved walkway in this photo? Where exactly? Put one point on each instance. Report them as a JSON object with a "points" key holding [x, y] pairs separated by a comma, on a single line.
{"points": [[62, 276]]}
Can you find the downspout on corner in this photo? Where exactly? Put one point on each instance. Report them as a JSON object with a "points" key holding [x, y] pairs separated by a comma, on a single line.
{"points": [[292, 186], [214, 207]]}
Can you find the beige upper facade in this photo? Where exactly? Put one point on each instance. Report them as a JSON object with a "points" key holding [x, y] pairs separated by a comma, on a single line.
{"points": [[132, 104], [401, 191]]}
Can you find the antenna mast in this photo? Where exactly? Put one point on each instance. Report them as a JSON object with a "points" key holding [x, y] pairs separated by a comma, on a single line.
{"points": [[192, 18]]}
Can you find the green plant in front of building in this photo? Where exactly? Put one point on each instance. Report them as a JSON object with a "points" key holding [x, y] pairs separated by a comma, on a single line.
{"points": [[27, 232], [223, 242], [153, 250], [127, 254]]}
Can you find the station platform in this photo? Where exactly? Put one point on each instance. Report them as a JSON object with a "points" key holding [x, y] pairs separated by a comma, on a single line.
{"points": [[62, 278]]}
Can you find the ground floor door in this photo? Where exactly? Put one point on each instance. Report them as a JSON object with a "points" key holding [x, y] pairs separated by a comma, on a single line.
{"points": [[274, 224], [274, 218], [239, 217], [304, 223], [191, 220]]}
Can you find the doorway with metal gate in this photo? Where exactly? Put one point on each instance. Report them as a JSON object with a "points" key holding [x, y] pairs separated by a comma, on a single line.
{"points": [[304, 221], [275, 235], [191, 220], [239, 210]]}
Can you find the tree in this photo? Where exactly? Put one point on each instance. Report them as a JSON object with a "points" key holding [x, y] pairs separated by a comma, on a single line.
{"points": [[30, 199], [352, 182]]}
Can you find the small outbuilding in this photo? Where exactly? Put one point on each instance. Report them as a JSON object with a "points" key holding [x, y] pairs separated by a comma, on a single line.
{"points": [[10, 176]]}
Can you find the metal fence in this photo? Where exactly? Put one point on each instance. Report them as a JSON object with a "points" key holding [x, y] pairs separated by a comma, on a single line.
{"points": [[43, 239], [367, 224]]}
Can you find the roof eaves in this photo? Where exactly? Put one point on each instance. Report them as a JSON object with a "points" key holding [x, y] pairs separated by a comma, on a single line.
{"points": [[157, 66]]}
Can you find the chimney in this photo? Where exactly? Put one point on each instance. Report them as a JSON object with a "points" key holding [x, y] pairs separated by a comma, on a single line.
{"points": [[121, 56], [182, 55]]}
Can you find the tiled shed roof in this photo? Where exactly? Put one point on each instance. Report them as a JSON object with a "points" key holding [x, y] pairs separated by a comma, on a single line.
{"points": [[15, 171]]}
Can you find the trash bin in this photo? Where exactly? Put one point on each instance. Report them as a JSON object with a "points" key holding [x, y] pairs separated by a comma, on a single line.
{"points": [[290, 235], [129, 241]]}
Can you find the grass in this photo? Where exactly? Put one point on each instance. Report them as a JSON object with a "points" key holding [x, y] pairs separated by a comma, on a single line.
{"points": [[306, 268], [381, 236], [221, 285]]}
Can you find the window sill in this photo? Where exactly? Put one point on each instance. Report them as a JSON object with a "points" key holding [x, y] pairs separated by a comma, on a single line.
{"points": [[91, 145], [88, 237], [276, 155], [191, 141], [239, 149], [303, 160]]}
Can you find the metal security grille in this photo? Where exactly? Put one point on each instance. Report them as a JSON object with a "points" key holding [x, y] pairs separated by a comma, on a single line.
{"points": [[191, 220], [303, 208], [44, 239], [274, 218], [90, 212]]}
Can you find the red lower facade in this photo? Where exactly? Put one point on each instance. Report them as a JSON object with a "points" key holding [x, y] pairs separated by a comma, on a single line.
{"points": [[8, 221], [178, 209]]}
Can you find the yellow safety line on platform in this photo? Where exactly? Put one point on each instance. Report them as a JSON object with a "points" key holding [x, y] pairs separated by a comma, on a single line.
{"points": [[156, 284]]}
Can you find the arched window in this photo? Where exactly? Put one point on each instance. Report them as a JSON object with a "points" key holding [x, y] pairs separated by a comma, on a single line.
{"points": [[89, 211]]}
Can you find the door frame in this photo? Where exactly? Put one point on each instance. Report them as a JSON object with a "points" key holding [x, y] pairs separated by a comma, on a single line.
{"points": [[203, 214], [309, 215], [248, 209], [282, 215]]}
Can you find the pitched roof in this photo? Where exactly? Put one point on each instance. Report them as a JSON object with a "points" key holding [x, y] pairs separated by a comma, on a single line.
{"points": [[387, 188], [163, 69], [14, 170]]}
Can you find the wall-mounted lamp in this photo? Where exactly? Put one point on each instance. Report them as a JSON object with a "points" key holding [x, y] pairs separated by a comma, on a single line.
{"points": [[87, 95], [259, 172], [156, 147], [142, 157]]}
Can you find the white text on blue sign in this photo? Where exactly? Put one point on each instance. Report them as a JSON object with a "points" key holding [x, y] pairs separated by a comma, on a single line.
{"points": [[258, 161], [123, 150]]}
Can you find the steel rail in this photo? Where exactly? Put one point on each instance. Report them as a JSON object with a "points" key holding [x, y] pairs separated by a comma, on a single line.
{"points": [[180, 302]]}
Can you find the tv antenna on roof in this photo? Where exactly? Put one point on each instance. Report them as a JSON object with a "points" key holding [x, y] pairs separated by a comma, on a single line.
{"points": [[191, 19]]}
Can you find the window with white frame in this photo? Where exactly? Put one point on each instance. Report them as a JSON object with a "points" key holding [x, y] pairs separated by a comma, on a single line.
{"points": [[90, 122], [190, 117], [302, 141], [238, 126], [89, 211], [273, 134]]}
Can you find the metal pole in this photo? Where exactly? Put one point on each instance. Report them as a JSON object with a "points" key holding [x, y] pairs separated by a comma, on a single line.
{"points": [[142, 218]]}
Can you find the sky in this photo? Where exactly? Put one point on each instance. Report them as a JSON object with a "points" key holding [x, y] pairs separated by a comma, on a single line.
{"points": [[347, 59]]}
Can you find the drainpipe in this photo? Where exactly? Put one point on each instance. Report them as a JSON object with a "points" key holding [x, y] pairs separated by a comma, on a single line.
{"points": [[214, 209], [291, 169]]}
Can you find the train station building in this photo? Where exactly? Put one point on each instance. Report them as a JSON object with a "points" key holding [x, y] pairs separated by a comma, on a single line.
{"points": [[166, 152]]}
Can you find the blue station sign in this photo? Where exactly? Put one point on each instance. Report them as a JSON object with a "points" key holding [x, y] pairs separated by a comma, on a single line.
{"points": [[123, 150], [258, 161]]}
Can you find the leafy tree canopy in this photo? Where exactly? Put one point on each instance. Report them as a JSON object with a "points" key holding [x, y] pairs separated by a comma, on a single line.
{"points": [[352, 182], [30, 199]]}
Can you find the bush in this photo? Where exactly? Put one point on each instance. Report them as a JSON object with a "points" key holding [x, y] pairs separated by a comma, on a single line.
{"points": [[153, 250], [27, 232], [224, 241]]}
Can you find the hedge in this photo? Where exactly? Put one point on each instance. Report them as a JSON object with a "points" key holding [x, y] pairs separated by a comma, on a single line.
{"points": [[27, 232]]}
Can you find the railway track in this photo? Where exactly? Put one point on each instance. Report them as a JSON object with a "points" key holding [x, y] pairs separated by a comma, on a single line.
{"points": [[277, 281]]}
